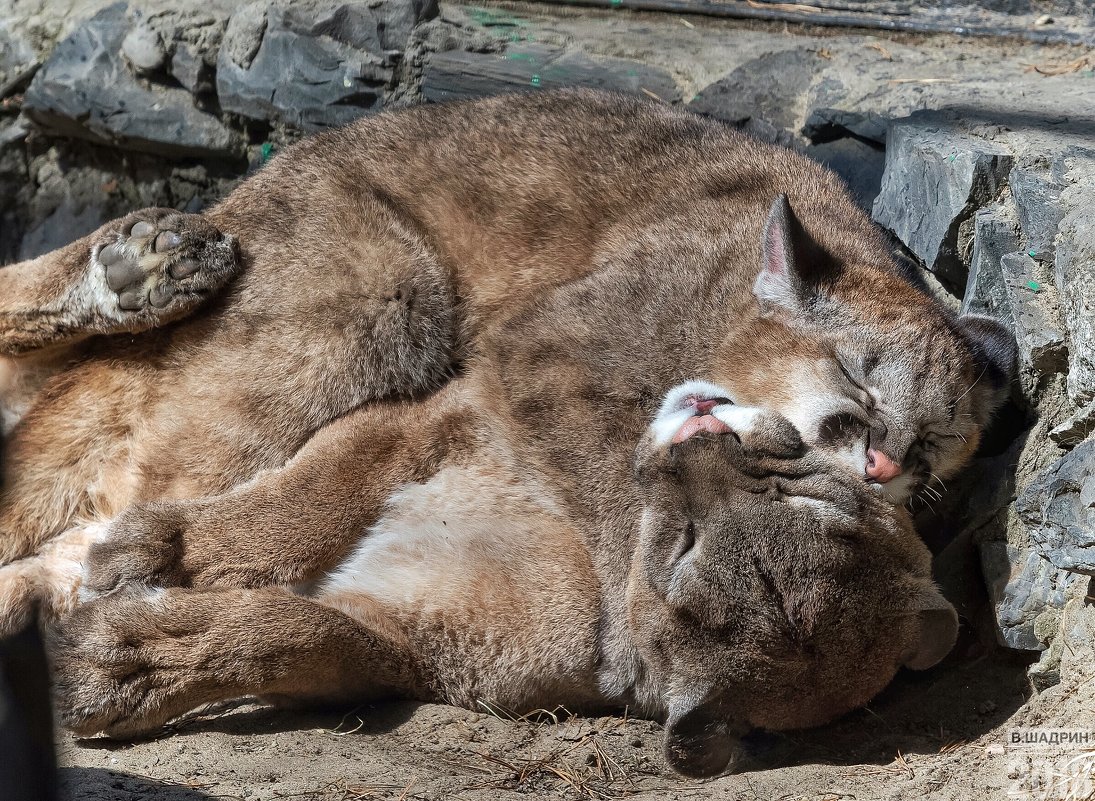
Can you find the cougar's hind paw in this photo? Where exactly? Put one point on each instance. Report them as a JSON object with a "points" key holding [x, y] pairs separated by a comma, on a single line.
{"points": [[141, 548], [116, 669], [164, 262]]}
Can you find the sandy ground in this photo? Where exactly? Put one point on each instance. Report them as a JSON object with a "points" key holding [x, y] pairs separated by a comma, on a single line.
{"points": [[940, 734]]}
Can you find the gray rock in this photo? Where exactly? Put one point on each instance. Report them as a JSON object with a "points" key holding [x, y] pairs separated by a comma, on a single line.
{"points": [[995, 233], [1022, 586], [458, 75], [314, 65], [1038, 331], [14, 185], [85, 90], [1058, 509], [189, 68], [1075, 277], [193, 40], [68, 222], [1076, 428], [1038, 199], [244, 33], [18, 59], [769, 88], [936, 177]]}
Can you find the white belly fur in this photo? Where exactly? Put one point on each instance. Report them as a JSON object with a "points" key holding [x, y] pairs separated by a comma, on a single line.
{"points": [[485, 581], [440, 539]]}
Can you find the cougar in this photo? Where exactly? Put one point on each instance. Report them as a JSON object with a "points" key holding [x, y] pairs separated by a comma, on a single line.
{"points": [[717, 574]]}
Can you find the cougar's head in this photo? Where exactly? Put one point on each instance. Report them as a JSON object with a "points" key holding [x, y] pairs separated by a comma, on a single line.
{"points": [[864, 364], [769, 588]]}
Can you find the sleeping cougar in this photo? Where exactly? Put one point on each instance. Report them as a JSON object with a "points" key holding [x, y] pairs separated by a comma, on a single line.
{"points": [[719, 576]]}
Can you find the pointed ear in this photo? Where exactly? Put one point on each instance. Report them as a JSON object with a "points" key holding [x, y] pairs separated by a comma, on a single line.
{"points": [[938, 630], [698, 742], [791, 260], [995, 355]]}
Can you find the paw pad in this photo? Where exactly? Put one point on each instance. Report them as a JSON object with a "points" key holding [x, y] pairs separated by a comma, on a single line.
{"points": [[165, 259]]}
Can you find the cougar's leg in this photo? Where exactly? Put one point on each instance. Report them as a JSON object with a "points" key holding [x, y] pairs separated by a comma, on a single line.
{"points": [[286, 526], [146, 269], [129, 663]]}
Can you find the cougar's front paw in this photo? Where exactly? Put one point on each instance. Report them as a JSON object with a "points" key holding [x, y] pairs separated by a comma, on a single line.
{"points": [[163, 263], [143, 546], [700, 407], [118, 669]]}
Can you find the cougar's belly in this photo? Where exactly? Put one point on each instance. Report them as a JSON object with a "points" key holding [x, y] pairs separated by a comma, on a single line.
{"points": [[486, 579]]}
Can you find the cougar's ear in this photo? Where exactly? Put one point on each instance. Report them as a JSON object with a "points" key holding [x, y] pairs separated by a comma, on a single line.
{"points": [[995, 355], [792, 262], [938, 630], [699, 742]]}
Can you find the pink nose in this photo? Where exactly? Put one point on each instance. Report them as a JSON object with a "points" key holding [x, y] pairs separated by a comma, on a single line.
{"points": [[881, 467]]}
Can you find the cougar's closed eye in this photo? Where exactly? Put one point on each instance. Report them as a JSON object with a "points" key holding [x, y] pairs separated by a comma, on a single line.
{"points": [[687, 542], [864, 397]]}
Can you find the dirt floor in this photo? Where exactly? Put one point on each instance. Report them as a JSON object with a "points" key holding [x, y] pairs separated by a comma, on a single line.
{"points": [[941, 734]]}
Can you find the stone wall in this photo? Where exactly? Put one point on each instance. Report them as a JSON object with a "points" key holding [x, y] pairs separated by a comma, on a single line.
{"points": [[982, 168]]}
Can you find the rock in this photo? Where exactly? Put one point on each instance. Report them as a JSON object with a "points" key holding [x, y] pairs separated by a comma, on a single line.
{"points": [[1076, 428], [14, 185], [769, 88], [1058, 509], [936, 177], [314, 65], [18, 59], [1075, 276], [85, 90], [189, 68], [67, 223], [458, 75], [1022, 586], [1038, 331], [144, 49], [995, 233], [860, 165], [194, 39], [1038, 199], [1046, 672]]}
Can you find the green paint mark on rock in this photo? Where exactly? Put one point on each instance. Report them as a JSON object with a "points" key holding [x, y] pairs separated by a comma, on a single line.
{"points": [[1034, 286], [494, 19], [267, 151], [535, 80]]}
